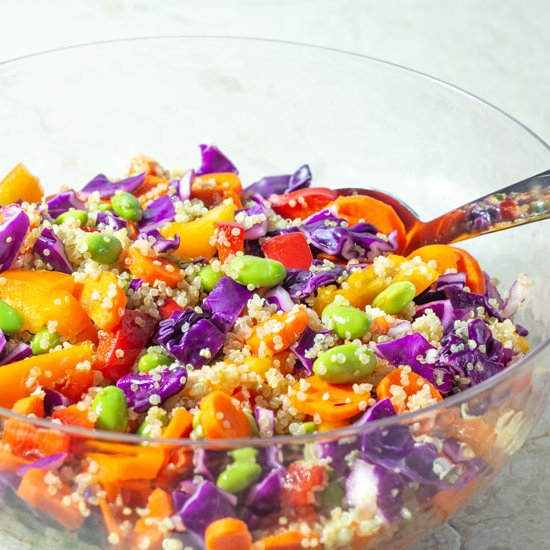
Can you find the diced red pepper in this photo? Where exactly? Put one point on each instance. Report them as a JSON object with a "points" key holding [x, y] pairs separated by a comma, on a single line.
{"points": [[73, 416], [303, 202], [301, 484], [75, 383], [229, 239], [117, 352], [291, 249], [508, 209], [168, 308]]}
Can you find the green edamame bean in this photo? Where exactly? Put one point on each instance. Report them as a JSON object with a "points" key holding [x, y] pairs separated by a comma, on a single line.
{"points": [[253, 424], [43, 341], [103, 248], [152, 424], [239, 476], [346, 364], [539, 207], [104, 207], [209, 277], [251, 270], [73, 214], [111, 409], [346, 321], [308, 428], [10, 319], [396, 297], [152, 360], [127, 206], [332, 495], [244, 454]]}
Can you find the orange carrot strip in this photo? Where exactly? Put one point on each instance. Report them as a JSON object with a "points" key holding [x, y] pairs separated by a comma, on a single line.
{"points": [[228, 533], [34, 404], [51, 442], [362, 207], [342, 402], [112, 526], [287, 540], [73, 416], [20, 184], [179, 426], [278, 333], [34, 491], [103, 299], [214, 188], [474, 274], [152, 270], [232, 423], [327, 425], [146, 528], [410, 382], [20, 379]]}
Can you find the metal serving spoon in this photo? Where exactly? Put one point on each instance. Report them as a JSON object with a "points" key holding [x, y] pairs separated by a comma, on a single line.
{"points": [[520, 203]]}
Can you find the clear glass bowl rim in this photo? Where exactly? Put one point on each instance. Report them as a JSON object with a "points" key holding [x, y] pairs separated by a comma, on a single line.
{"points": [[349, 431]]}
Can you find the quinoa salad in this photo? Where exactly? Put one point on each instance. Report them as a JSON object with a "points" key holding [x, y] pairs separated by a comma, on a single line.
{"points": [[188, 305]]}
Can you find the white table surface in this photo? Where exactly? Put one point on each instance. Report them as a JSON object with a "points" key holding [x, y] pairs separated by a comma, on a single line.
{"points": [[496, 49]]}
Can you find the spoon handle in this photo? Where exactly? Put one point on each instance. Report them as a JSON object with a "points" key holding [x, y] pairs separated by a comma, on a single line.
{"points": [[517, 204]]}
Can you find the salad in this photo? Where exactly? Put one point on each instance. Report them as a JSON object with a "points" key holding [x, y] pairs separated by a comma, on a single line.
{"points": [[180, 306]]}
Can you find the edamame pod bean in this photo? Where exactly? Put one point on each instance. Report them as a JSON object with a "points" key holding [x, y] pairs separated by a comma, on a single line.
{"points": [[103, 248], [251, 270], [152, 360], [332, 495], [10, 319], [127, 206], [104, 207], [43, 341], [307, 428], [73, 214], [346, 364], [111, 409], [346, 321], [244, 454], [253, 424], [239, 476], [152, 425], [209, 277], [396, 297]]}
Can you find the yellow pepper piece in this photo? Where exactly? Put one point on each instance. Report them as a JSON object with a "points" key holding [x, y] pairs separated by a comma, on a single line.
{"points": [[260, 365], [20, 184], [195, 236]]}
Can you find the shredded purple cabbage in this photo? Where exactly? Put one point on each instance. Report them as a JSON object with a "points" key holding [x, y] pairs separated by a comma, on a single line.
{"points": [[110, 219], [13, 231], [107, 188], [214, 161], [277, 185], [52, 250], [63, 202], [158, 213], [300, 283]]}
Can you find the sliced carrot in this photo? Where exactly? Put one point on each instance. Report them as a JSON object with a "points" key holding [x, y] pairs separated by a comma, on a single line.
{"points": [[34, 490], [115, 533], [152, 270], [221, 418], [34, 404], [227, 533], [278, 333], [73, 416], [445, 256], [104, 299], [10, 462], [51, 442], [328, 426], [214, 188], [20, 184], [358, 208], [146, 529], [474, 274], [21, 378], [408, 381], [20, 437], [179, 426], [342, 402], [287, 540]]}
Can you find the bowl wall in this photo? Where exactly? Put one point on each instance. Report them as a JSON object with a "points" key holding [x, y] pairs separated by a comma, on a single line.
{"points": [[271, 107]]}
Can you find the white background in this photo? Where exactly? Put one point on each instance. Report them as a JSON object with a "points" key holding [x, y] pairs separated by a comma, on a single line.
{"points": [[497, 49]]}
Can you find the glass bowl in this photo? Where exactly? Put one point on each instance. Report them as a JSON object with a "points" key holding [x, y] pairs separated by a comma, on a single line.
{"points": [[71, 113]]}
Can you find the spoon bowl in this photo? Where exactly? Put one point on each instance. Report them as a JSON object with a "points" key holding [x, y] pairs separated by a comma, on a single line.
{"points": [[523, 202]]}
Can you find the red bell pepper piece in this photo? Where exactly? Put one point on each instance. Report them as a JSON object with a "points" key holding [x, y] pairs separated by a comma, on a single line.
{"points": [[229, 239], [303, 202], [117, 352], [301, 484], [291, 249], [168, 308], [75, 383], [508, 209]]}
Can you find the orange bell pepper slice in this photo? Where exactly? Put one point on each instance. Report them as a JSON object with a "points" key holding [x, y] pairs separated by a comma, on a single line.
{"points": [[355, 208], [152, 270], [445, 256], [214, 188], [287, 540], [20, 184], [474, 274], [221, 418], [228, 533]]}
